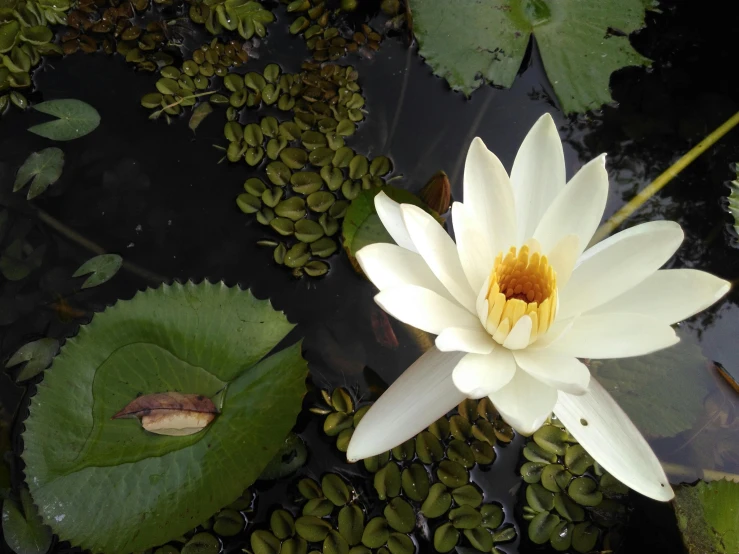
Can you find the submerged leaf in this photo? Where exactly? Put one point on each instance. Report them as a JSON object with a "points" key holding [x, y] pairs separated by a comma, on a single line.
{"points": [[470, 43], [663, 392], [76, 119], [22, 527], [38, 354], [199, 114], [44, 167], [102, 267], [182, 338], [708, 517]]}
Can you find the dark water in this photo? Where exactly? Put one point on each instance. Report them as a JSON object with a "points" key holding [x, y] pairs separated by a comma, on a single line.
{"points": [[155, 194]]}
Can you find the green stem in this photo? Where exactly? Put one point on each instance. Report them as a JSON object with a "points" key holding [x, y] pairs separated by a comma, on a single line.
{"points": [[157, 113]]}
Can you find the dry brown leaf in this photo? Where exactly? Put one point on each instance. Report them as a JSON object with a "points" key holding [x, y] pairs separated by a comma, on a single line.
{"points": [[171, 413]]}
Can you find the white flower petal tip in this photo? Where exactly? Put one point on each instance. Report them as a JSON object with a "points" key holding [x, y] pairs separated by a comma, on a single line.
{"points": [[420, 396], [388, 211], [480, 375], [609, 436], [669, 295]]}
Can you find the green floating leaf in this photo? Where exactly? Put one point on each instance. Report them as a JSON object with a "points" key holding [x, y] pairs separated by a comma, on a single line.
{"points": [[470, 42], [292, 455], [9, 35], [203, 110], [102, 267], [44, 167], [22, 527], [96, 480], [734, 200], [38, 354], [663, 392], [76, 119], [708, 517], [362, 225]]}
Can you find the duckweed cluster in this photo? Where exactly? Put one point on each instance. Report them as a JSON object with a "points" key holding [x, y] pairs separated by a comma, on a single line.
{"points": [[25, 36], [571, 502], [428, 477]]}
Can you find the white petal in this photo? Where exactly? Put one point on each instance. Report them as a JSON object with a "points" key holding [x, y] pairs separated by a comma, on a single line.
{"points": [[439, 252], [614, 336], [425, 309], [520, 334], [390, 265], [617, 264], [476, 341], [563, 258], [420, 396], [479, 375], [669, 295], [525, 403], [609, 436], [475, 253], [489, 196], [556, 370], [578, 209], [538, 175], [389, 212]]}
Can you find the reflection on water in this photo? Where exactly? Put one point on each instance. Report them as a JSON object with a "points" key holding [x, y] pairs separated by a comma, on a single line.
{"points": [[156, 195]]}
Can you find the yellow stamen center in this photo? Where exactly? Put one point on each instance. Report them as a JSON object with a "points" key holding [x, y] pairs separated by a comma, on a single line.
{"points": [[521, 284]]}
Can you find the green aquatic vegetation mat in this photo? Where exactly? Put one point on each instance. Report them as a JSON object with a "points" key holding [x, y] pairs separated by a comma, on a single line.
{"points": [[109, 486], [708, 517], [581, 43]]}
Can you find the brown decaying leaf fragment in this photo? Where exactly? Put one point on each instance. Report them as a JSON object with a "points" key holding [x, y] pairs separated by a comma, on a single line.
{"points": [[382, 329], [171, 413], [438, 193]]}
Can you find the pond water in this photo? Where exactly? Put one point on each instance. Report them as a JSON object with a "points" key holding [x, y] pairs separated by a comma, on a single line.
{"points": [[155, 194]]}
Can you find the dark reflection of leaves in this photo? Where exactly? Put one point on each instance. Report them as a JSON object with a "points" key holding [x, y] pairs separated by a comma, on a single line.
{"points": [[662, 114]]}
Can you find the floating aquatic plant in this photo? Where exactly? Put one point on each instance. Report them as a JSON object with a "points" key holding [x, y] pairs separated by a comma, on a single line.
{"points": [[205, 339], [471, 43], [519, 298]]}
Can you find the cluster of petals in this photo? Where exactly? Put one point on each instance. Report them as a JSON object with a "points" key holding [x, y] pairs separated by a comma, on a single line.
{"points": [[519, 300]]}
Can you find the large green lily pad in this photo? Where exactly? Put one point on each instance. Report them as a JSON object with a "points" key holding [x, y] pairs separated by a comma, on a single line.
{"points": [[708, 517], [471, 42], [108, 485]]}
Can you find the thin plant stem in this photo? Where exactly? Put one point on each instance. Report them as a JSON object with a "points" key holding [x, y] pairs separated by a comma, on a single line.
{"points": [[401, 100], [95, 248], [157, 113], [670, 173]]}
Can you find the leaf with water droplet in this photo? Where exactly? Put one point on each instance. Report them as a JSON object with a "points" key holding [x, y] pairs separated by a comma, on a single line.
{"points": [[75, 119], [102, 267]]}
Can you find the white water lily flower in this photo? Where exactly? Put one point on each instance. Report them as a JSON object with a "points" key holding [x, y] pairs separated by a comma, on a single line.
{"points": [[518, 299]]}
